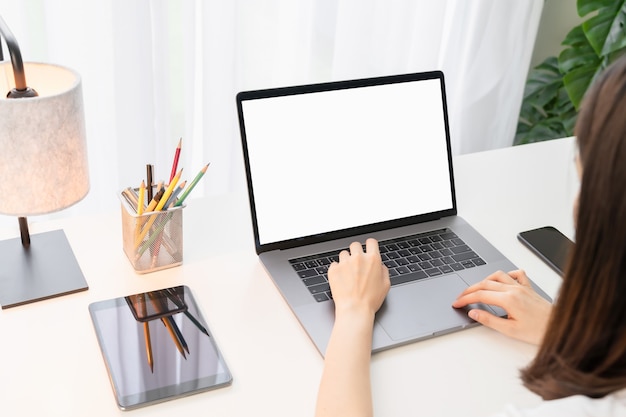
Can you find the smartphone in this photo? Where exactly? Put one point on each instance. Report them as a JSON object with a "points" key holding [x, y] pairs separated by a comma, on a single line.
{"points": [[549, 244]]}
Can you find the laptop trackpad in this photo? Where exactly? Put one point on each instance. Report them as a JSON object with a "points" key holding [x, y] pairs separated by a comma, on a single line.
{"points": [[423, 308]]}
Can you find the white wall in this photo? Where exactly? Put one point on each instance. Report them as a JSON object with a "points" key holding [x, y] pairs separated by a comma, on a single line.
{"points": [[557, 19]]}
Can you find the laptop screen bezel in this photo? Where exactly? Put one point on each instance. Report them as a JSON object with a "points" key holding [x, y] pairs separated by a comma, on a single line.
{"points": [[331, 86]]}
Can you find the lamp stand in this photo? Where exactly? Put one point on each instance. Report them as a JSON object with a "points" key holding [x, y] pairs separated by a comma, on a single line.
{"points": [[38, 267], [24, 234]]}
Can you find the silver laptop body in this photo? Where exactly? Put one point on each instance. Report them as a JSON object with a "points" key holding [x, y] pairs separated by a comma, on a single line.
{"points": [[327, 164]]}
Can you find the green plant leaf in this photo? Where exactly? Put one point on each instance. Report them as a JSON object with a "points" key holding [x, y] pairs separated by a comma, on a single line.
{"points": [[543, 83], [577, 81], [571, 59], [605, 31], [545, 130], [584, 7], [556, 87]]}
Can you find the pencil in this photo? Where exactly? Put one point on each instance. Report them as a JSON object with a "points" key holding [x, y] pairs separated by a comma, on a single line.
{"points": [[149, 172], [157, 197], [140, 203], [168, 191], [178, 333], [191, 186], [158, 207], [146, 335], [140, 206], [130, 197], [142, 220], [173, 335], [172, 199], [159, 230], [176, 156]]}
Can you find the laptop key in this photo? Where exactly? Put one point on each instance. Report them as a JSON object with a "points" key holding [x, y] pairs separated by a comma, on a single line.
{"points": [[299, 267], [448, 260], [390, 264], [446, 269], [307, 273], [457, 267], [401, 279], [460, 249], [402, 262], [322, 269], [464, 256], [448, 235], [314, 281], [433, 272], [321, 297], [436, 262], [321, 288]]}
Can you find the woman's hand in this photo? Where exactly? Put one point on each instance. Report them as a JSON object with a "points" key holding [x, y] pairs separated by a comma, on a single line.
{"points": [[359, 281], [528, 313]]}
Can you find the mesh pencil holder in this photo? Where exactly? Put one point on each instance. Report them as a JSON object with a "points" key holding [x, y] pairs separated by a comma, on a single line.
{"points": [[154, 240]]}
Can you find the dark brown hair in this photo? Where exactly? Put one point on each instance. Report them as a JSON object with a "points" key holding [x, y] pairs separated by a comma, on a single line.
{"points": [[584, 348]]}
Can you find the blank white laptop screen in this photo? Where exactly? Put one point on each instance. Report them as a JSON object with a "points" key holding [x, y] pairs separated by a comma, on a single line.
{"points": [[334, 160]]}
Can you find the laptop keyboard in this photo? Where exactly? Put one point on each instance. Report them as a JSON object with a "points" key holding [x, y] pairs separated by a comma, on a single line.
{"points": [[408, 259]]}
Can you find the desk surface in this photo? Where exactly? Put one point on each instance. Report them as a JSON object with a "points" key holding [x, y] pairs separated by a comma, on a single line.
{"points": [[50, 363]]}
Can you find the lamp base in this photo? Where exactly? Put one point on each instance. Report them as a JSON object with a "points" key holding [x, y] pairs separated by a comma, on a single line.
{"points": [[46, 269]]}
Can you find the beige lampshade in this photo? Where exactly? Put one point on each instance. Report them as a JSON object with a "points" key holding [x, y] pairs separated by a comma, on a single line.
{"points": [[43, 150]]}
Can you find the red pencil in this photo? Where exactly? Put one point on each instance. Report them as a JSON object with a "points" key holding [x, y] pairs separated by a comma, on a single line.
{"points": [[176, 156]]}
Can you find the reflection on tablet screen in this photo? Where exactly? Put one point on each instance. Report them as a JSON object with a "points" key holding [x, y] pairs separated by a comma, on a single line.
{"points": [[157, 347]]}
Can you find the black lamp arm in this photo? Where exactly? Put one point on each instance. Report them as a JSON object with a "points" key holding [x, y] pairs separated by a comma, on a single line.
{"points": [[21, 89]]}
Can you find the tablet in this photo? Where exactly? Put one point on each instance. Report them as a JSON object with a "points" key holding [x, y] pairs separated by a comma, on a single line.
{"points": [[157, 347]]}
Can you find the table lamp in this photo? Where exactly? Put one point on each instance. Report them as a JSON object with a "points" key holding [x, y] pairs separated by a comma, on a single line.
{"points": [[43, 169]]}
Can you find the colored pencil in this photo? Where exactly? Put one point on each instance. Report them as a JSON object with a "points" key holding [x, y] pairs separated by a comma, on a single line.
{"points": [[176, 156], [182, 198]]}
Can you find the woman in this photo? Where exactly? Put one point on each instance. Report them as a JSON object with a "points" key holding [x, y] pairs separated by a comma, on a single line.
{"points": [[580, 366]]}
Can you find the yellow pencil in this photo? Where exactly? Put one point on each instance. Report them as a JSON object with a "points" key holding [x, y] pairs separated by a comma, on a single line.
{"points": [[168, 191], [139, 220], [142, 192], [159, 206]]}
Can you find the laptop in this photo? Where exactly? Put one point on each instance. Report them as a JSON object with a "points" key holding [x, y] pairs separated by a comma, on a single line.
{"points": [[332, 163]]}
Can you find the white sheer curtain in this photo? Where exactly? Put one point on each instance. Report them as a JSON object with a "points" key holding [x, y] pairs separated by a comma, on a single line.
{"points": [[155, 71]]}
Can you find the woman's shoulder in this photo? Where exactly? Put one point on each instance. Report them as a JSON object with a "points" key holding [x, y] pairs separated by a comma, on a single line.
{"points": [[577, 405]]}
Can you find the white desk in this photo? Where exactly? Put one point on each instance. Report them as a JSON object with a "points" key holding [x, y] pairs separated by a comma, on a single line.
{"points": [[50, 363]]}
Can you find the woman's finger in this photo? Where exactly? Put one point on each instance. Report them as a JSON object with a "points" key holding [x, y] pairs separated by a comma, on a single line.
{"points": [[521, 277], [371, 245], [355, 247], [480, 296]]}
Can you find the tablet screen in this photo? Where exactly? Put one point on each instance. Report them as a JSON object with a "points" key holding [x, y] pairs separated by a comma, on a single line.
{"points": [[157, 347]]}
